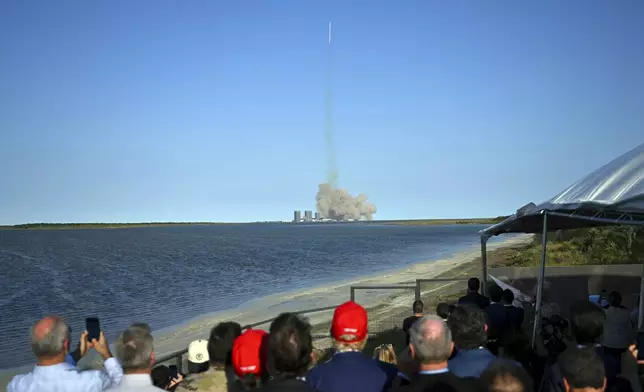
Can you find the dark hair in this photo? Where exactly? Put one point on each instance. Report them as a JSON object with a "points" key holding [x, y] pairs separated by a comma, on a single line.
{"points": [[587, 322], [508, 296], [418, 306], [474, 284], [220, 343], [582, 368], [160, 376], [615, 299], [496, 293], [467, 323], [452, 307], [289, 346], [504, 376], [442, 310]]}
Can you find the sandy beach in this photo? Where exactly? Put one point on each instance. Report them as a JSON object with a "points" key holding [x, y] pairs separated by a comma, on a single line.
{"points": [[385, 307], [168, 341]]}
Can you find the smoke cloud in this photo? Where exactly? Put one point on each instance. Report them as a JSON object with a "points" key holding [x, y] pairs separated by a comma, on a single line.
{"points": [[338, 204], [332, 202]]}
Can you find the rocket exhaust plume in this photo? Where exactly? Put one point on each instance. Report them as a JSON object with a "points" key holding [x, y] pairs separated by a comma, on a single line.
{"points": [[338, 204], [332, 172], [334, 203]]}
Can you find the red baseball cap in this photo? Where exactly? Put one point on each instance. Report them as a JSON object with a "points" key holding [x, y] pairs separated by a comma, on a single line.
{"points": [[247, 354], [349, 319]]}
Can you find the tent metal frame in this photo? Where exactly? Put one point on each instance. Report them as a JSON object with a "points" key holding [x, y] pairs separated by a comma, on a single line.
{"points": [[602, 217]]}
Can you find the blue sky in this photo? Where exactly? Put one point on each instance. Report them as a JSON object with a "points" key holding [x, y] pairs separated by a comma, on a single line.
{"points": [[125, 111]]}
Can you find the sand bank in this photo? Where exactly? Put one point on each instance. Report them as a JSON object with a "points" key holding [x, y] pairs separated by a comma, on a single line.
{"points": [[382, 304]]}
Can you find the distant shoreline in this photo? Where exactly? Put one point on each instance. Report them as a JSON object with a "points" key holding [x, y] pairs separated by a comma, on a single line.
{"points": [[406, 222], [429, 222]]}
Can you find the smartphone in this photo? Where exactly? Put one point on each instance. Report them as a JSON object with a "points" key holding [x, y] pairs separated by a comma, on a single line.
{"points": [[93, 328], [174, 372], [640, 346]]}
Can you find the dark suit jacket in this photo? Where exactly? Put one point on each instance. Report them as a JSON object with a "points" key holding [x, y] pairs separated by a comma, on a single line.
{"points": [[515, 316], [286, 385], [471, 363], [442, 382], [407, 323], [352, 372], [498, 318], [475, 298]]}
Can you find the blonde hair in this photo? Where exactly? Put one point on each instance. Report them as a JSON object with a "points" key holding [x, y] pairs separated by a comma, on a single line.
{"points": [[340, 346], [318, 355], [385, 353]]}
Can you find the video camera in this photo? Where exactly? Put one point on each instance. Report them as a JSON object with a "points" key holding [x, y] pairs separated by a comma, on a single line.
{"points": [[553, 329]]}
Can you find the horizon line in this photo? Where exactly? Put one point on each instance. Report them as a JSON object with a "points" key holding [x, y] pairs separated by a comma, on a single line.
{"points": [[225, 222]]}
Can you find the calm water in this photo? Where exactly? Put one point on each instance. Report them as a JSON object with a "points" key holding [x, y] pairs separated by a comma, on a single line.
{"points": [[165, 275]]}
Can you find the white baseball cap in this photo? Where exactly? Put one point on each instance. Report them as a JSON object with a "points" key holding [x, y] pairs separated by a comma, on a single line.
{"points": [[198, 351]]}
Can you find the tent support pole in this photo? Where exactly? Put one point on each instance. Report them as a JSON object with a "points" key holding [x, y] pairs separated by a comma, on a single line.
{"points": [[640, 316], [484, 265], [541, 281]]}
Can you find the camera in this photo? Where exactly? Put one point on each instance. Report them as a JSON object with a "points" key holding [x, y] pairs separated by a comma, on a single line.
{"points": [[553, 329]]}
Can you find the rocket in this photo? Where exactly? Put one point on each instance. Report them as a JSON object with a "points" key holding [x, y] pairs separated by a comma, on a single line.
{"points": [[329, 32]]}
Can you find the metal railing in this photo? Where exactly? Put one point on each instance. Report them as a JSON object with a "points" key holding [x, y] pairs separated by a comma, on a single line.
{"points": [[177, 356], [435, 280], [379, 287]]}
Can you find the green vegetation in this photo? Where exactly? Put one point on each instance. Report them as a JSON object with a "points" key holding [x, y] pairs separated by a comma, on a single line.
{"points": [[598, 245], [424, 222], [49, 226], [53, 226]]}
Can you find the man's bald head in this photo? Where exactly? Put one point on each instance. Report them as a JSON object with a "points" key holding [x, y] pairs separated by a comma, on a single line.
{"points": [[50, 337], [431, 340]]}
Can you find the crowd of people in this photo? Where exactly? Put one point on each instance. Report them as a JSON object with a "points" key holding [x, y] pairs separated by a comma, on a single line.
{"points": [[477, 344]]}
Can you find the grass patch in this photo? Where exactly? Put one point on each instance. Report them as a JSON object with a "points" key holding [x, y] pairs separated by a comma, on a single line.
{"points": [[594, 246], [429, 222]]}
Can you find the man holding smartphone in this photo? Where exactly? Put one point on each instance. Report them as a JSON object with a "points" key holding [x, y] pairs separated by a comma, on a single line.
{"points": [[50, 339]]}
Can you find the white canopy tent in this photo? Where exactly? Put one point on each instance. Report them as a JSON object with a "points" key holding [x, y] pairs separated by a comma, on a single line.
{"points": [[611, 195]]}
